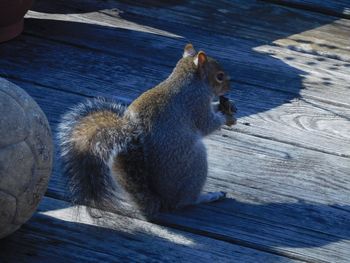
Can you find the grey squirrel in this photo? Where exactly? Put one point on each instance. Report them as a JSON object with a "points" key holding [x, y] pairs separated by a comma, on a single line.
{"points": [[153, 148]]}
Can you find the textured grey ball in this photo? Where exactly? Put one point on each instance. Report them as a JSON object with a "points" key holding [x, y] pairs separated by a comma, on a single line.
{"points": [[26, 151]]}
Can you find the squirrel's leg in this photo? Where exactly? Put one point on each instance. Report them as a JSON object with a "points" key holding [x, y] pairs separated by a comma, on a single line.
{"points": [[211, 197], [187, 190], [130, 173]]}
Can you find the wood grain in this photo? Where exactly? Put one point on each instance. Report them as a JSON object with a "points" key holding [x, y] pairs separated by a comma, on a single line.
{"points": [[339, 8], [315, 31], [102, 75], [235, 50], [55, 234], [279, 195], [285, 166]]}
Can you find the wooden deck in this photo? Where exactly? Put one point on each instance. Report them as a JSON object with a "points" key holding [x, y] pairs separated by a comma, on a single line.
{"points": [[285, 165]]}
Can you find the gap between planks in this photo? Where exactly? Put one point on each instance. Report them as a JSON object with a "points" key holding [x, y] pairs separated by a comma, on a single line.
{"points": [[238, 242], [311, 8]]}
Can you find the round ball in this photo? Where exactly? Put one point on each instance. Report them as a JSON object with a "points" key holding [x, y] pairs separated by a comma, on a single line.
{"points": [[26, 151]]}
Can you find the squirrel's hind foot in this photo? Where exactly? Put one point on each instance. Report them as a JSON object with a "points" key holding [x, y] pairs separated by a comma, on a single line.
{"points": [[211, 197]]}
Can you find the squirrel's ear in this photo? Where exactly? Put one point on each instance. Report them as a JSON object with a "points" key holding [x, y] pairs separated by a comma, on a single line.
{"points": [[200, 59], [189, 51]]}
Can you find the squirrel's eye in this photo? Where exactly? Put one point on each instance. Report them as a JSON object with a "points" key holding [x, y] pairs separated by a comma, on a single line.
{"points": [[220, 77]]}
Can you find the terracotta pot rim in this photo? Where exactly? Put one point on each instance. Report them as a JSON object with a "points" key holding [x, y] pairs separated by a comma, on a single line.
{"points": [[11, 31], [11, 3], [11, 17]]}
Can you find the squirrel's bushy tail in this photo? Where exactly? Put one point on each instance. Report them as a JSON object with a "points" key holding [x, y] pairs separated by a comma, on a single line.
{"points": [[88, 134]]}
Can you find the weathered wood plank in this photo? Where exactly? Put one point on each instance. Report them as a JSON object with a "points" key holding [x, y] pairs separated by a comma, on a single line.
{"points": [[62, 102], [283, 199], [55, 234], [298, 196], [59, 66], [243, 63], [316, 32], [339, 8], [306, 217]]}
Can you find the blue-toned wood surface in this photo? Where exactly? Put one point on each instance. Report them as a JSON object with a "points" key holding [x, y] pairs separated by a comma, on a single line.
{"points": [[285, 165]]}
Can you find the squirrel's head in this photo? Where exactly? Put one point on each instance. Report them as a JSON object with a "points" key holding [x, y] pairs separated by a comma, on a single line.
{"points": [[209, 70]]}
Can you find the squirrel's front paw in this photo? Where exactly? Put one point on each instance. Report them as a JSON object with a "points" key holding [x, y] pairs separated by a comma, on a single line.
{"points": [[230, 120]]}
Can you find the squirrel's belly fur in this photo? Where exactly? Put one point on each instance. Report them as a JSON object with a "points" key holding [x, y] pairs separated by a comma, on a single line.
{"points": [[178, 169]]}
